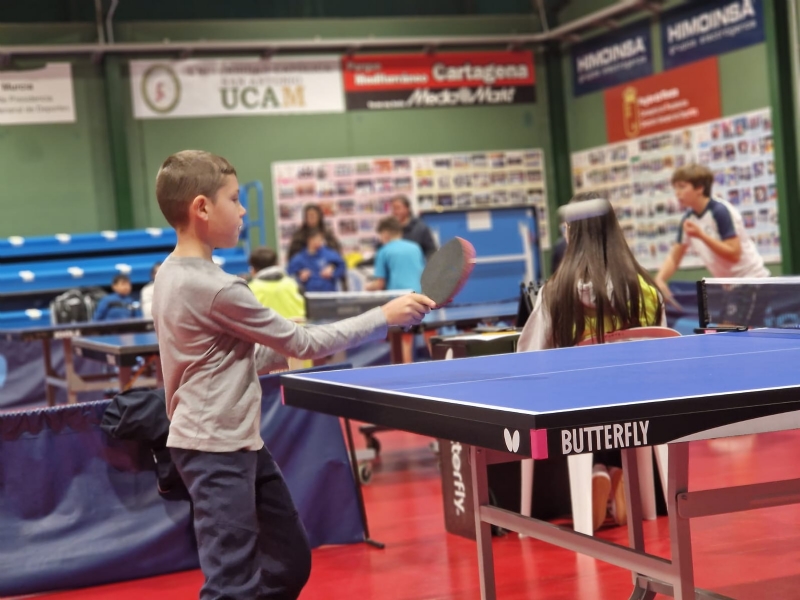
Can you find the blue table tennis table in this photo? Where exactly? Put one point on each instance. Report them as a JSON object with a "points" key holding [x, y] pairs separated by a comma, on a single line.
{"points": [[125, 352], [576, 400], [71, 381]]}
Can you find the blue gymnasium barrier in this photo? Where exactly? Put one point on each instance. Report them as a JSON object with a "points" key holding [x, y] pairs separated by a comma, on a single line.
{"points": [[78, 508], [503, 245]]}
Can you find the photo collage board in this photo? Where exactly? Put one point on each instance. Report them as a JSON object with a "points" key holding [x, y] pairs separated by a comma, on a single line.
{"points": [[355, 193], [635, 176]]}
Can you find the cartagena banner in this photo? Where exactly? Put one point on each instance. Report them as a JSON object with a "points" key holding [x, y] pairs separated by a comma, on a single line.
{"points": [[165, 89], [664, 101], [398, 81], [612, 59], [706, 29]]}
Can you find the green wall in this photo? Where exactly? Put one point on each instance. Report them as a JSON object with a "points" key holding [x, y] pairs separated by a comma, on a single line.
{"points": [[58, 178], [98, 173]]}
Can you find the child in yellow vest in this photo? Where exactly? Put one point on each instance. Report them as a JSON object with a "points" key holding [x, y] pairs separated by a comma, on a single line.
{"points": [[272, 287]]}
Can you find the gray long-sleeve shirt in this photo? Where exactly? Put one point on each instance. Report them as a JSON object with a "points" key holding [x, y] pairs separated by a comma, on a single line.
{"points": [[214, 338]]}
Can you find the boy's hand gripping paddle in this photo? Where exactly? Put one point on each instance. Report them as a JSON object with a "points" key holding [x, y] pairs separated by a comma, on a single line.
{"points": [[447, 271]]}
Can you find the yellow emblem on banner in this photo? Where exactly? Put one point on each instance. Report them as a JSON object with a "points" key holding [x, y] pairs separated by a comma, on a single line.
{"points": [[630, 112]]}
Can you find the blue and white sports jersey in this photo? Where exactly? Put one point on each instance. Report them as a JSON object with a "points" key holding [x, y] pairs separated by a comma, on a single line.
{"points": [[722, 221]]}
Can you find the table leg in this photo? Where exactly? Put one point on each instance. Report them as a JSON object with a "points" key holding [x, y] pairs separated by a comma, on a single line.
{"points": [[351, 449], [124, 378], [679, 529], [49, 372], [407, 344], [396, 346], [633, 501], [483, 530], [159, 373], [69, 372]]}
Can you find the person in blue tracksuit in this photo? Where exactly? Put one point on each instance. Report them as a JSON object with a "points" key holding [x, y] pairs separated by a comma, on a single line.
{"points": [[318, 267], [120, 304]]}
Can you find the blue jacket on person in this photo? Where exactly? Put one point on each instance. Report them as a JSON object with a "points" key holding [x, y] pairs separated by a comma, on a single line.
{"points": [[316, 263], [114, 307]]}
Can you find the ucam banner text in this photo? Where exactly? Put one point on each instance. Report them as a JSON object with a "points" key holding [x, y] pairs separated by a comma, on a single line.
{"points": [[165, 89]]}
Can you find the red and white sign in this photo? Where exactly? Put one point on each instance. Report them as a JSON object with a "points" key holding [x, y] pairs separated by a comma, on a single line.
{"points": [[670, 100], [397, 81]]}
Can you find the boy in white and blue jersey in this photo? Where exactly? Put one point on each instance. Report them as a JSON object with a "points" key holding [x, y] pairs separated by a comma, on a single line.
{"points": [[712, 228]]}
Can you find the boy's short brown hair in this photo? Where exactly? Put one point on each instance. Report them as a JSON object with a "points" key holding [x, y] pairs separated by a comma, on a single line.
{"points": [[390, 224], [263, 258], [186, 175], [120, 278], [697, 176]]}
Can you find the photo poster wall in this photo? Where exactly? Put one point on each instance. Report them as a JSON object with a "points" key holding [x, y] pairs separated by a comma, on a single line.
{"points": [[635, 176], [355, 193]]}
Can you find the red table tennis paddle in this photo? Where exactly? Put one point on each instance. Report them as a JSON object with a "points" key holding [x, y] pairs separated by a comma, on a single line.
{"points": [[447, 271]]}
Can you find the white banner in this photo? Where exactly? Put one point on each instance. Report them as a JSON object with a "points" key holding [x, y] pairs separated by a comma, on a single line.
{"points": [[38, 96], [167, 89]]}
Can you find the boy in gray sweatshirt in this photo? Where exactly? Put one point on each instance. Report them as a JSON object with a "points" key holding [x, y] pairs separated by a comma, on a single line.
{"points": [[214, 338]]}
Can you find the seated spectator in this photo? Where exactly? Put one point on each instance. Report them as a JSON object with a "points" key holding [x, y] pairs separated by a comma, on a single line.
{"points": [[272, 287], [399, 263], [317, 267], [146, 295], [120, 304]]}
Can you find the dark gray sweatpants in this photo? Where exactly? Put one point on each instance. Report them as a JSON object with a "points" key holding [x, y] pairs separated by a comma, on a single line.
{"points": [[251, 541]]}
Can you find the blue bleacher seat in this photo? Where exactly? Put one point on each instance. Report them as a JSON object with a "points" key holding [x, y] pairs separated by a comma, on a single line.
{"points": [[35, 269], [19, 319], [16, 248], [54, 275]]}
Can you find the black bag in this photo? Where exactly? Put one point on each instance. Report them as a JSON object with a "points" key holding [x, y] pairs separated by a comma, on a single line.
{"points": [[141, 415], [75, 305]]}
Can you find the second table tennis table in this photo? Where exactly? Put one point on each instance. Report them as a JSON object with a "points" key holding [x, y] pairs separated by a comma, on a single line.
{"points": [[124, 352], [73, 382], [576, 400]]}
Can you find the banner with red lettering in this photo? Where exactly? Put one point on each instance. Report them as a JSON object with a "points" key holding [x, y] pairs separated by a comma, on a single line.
{"points": [[669, 100], [398, 81]]}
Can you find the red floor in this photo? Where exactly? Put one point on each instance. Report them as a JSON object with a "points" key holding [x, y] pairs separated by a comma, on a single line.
{"points": [[753, 555]]}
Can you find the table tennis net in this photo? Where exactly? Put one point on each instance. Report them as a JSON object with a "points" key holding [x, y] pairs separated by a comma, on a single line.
{"points": [[750, 302]]}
